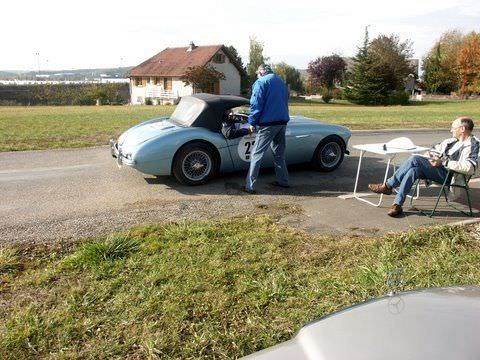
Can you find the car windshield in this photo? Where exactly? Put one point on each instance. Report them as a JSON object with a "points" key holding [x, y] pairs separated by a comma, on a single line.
{"points": [[241, 110], [188, 109]]}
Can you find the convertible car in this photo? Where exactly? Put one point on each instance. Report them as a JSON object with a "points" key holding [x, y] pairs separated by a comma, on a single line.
{"points": [[190, 145]]}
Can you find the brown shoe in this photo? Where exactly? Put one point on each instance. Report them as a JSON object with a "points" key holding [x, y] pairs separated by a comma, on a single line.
{"points": [[380, 188], [395, 210]]}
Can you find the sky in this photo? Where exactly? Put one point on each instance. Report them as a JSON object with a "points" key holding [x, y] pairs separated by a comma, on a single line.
{"points": [[64, 35]]}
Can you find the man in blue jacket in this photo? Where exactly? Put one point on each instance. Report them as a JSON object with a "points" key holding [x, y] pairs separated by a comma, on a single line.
{"points": [[269, 115]]}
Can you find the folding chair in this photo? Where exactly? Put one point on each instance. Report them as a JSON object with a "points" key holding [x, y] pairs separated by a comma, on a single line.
{"points": [[444, 190]]}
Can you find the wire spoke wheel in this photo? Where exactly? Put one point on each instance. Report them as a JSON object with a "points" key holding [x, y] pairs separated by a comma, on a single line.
{"points": [[196, 165], [330, 154]]}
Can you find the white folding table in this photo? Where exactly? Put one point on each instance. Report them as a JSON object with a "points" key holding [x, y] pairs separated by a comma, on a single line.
{"points": [[379, 149]]}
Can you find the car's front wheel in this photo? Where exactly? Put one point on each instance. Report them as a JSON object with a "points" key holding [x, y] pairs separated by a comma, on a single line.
{"points": [[195, 164], [329, 154]]}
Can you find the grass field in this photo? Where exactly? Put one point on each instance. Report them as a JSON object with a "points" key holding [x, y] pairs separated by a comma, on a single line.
{"points": [[213, 289], [29, 128]]}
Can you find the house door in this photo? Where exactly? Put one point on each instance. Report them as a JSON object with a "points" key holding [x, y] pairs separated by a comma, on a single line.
{"points": [[214, 88]]}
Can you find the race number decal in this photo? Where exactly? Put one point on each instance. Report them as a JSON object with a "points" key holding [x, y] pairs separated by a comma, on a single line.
{"points": [[245, 147]]}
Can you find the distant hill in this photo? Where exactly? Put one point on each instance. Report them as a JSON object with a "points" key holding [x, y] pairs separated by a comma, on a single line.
{"points": [[10, 74], [71, 75]]}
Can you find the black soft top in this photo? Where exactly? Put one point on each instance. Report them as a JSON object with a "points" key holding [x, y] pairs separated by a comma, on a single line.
{"points": [[205, 110]]}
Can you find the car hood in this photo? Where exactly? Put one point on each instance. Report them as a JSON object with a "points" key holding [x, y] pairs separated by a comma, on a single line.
{"points": [[146, 131], [437, 323]]}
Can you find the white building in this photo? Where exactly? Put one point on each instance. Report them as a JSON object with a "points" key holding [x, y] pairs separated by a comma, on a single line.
{"points": [[158, 78]]}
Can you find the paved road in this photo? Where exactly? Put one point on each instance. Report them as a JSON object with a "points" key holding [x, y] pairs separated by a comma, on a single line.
{"points": [[64, 194]]}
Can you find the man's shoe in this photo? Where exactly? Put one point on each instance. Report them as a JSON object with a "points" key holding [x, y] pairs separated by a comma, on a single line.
{"points": [[395, 210], [276, 183], [250, 191], [380, 188]]}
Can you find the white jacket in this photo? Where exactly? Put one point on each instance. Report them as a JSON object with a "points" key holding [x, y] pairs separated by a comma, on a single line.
{"points": [[461, 157]]}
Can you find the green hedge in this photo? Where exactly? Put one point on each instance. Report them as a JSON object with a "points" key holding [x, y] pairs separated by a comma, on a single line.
{"points": [[64, 94]]}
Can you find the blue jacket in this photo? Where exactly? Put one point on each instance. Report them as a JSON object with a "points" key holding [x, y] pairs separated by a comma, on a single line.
{"points": [[269, 101]]}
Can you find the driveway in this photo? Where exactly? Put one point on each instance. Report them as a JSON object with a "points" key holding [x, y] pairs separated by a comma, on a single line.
{"points": [[67, 194]]}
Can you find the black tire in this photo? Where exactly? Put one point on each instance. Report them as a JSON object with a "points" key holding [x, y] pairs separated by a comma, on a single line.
{"points": [[329, 154], [195, 164]]}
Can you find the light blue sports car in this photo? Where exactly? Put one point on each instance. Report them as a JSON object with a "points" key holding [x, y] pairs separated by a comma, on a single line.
{"points": [[190, 145]]}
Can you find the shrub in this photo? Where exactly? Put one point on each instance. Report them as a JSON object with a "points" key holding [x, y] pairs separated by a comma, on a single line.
{"points": [[326, 96], [148, 101], [338, 94], [398, 97], [64, 94]]}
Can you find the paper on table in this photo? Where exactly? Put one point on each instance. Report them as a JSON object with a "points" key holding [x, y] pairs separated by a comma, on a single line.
{"points": [[433, 155], [402, 143]]}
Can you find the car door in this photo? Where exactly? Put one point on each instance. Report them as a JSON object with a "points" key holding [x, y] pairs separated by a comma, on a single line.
{"points": [[241, 150], [301, 142]]}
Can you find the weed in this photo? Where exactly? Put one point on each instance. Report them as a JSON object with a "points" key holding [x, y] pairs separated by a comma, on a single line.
{"points": [[93, 254], [9, 260]]}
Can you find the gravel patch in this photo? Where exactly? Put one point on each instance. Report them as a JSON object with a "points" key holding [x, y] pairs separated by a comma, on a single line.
{"points": [[102, 223]]}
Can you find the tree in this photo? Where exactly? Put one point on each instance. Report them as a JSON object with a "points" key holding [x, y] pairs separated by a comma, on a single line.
{"points": [[233, 51], [202, 78], [256, 58], [440, 66], [326, 72], [238, 59], [469, 64], [290, 75], [363, 86], [432, 71], [390, 61]]}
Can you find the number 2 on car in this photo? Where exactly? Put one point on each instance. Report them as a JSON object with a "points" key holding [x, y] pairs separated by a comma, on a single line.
{"points": [[248, 146], [245, 146]]}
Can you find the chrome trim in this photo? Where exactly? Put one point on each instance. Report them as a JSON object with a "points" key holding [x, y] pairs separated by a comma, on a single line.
{"points": [[302, 136], [117, 153], [113, 148]]}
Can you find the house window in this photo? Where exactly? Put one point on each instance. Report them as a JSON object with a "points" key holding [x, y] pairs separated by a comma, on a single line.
{"points": [[219, 58], [167, 83], [138, 81], [157, 81]]}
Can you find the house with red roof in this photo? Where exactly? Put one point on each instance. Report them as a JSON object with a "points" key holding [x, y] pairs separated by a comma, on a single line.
{"points": [[158, 78]]}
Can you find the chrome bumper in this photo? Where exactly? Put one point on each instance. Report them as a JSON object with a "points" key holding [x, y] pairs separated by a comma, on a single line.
{"points": [[114, 148], [116, 152]]}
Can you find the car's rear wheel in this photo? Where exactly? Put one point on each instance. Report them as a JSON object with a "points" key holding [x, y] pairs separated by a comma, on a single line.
{"points": [[329, 154], [195, 164]]}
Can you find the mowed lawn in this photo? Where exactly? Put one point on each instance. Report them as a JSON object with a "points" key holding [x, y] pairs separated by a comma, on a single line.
{"points": [[217, 289], [47, 127]]}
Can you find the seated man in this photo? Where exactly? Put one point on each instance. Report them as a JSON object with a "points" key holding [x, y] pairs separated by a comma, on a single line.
{"points": [[459, 153], [232, 129]]}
